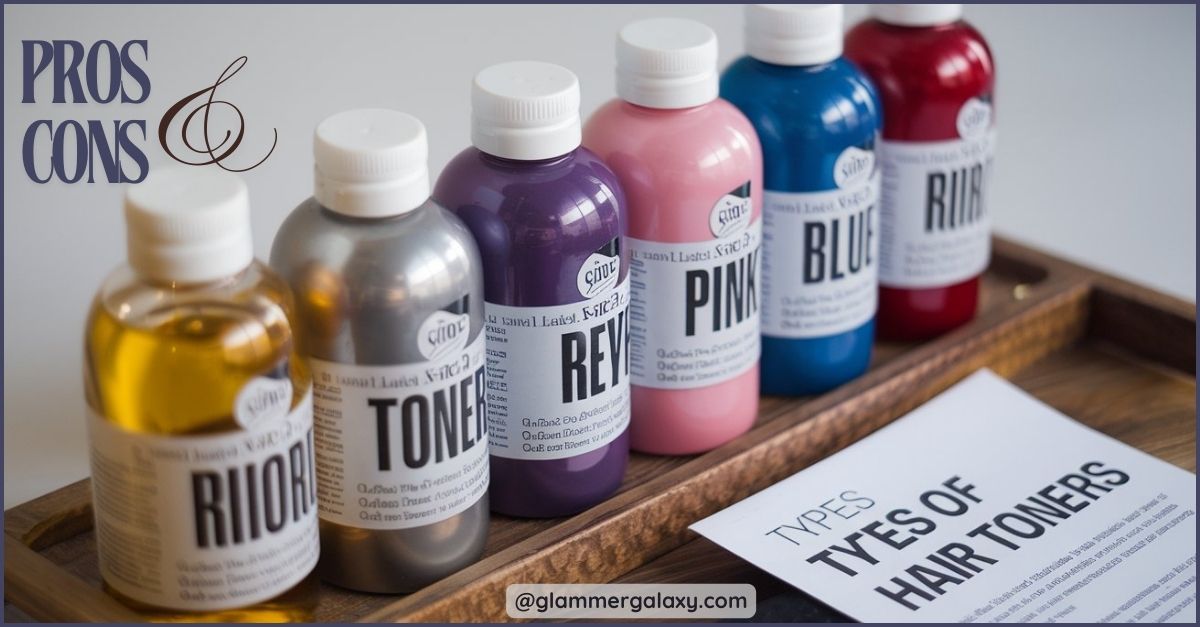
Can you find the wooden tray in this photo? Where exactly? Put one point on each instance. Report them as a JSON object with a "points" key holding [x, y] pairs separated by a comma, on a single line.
{"points": [[1114, 355]]}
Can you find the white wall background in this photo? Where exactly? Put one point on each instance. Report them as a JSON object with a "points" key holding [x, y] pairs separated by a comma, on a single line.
{"points": [[1097, 161]]}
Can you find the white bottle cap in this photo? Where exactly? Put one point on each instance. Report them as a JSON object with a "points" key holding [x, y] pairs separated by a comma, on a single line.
{"points": [[667, 63], [525, 110], [789, 34], [916, 14], [186, 224], [371, 163]]}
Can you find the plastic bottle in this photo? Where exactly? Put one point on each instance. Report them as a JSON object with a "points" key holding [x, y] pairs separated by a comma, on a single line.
{"points": [[818, 119], [937, 83], [691, 167], [389, 292], [548, 217], [200, 415]]}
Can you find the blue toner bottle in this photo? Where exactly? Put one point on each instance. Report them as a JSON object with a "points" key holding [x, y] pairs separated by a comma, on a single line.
{"points": [[818, 119]]}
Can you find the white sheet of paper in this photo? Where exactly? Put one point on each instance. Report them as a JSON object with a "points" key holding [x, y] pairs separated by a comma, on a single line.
{"points": [[928, 483]]}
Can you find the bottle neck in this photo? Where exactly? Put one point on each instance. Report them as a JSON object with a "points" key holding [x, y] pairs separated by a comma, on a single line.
{"points": [[796, 67], [514, 164], [910, 28], [348, 218], [167, 283], [644, 110]]}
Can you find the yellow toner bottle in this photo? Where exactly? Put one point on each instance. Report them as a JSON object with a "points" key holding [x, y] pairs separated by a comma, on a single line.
{"points": [[200, 415]]}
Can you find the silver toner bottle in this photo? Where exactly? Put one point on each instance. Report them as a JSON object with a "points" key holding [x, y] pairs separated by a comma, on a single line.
{"points": [[389, 291]]}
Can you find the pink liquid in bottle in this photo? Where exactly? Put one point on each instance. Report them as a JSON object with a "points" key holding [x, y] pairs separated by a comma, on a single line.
{"points": [[691, 167]]}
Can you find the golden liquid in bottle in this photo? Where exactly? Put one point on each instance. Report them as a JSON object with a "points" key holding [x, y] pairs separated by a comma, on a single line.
{"points": [[170, 361]]}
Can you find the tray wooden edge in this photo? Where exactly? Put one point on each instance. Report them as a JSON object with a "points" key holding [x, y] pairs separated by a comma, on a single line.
{"points": [[1149, 323], [46, 592], [52, 517]]}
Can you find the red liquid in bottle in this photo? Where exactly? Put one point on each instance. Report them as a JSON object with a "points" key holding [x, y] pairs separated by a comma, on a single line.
{"points": [[931, 77]]}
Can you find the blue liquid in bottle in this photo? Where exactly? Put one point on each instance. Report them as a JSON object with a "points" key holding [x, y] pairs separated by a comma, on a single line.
{"points": [[818, 119]]}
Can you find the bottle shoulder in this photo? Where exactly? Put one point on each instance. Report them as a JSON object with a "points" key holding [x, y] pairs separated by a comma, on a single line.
{"points": [[675, 139], [257, 291], [821, 94], [815, 109], [371, 251], [312, 226], [955, 54], [719, 118], [473, 169], [837, 75], [552, 193]]}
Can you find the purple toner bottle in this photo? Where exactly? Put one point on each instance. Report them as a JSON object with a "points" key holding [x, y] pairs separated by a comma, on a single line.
{"points": [[548, 216]]}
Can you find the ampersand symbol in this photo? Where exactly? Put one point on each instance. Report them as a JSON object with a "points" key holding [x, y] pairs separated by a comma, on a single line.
{"points": [[232, 139]]}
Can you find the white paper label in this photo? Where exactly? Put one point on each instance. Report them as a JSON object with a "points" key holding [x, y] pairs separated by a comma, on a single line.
{"points": [[820, 259], [206, 522], [694, 318], [558, 376], [935, 223], [401, 446], [982, 506]]}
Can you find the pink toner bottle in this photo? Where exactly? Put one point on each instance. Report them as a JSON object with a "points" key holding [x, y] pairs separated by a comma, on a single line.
{"points": [[691, 167]]}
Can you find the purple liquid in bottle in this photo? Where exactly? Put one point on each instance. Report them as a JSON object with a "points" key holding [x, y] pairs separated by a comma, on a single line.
{"points": [[547, 216]]}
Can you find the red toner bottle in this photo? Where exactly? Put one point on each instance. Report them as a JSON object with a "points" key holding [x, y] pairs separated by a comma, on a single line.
{"points": [[936, 81]]}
